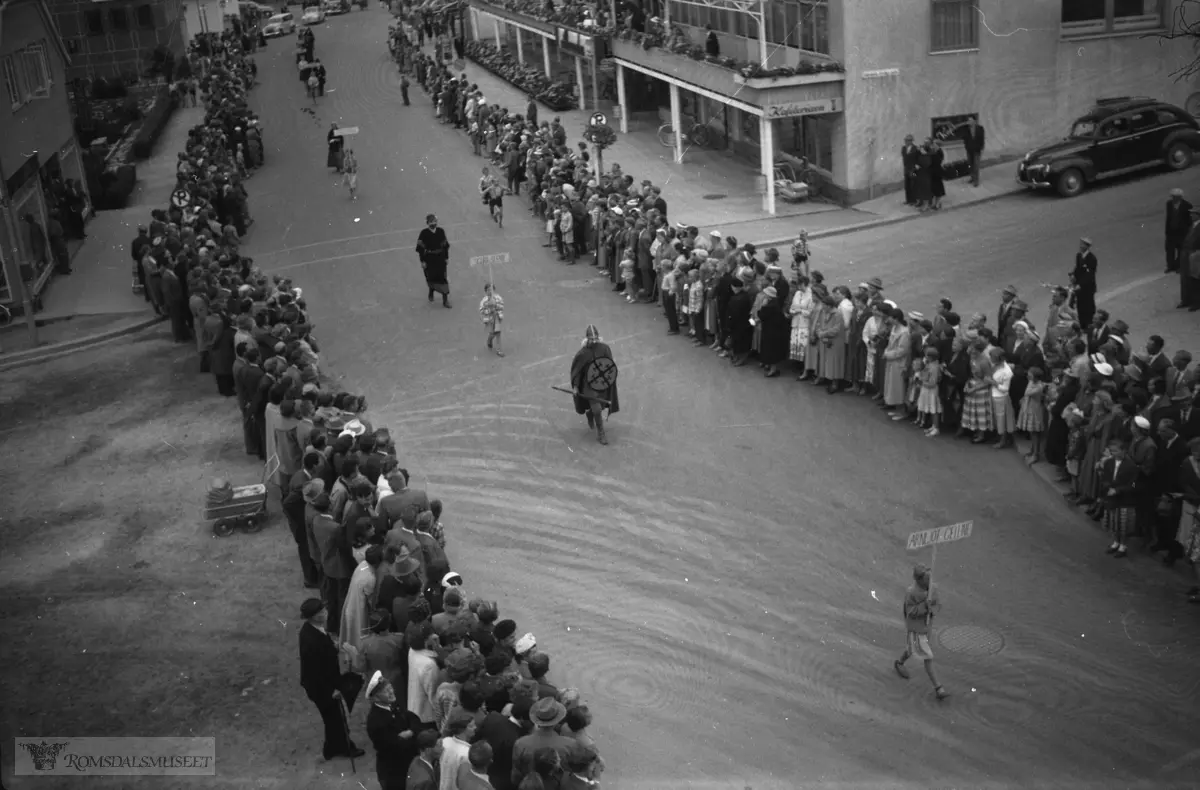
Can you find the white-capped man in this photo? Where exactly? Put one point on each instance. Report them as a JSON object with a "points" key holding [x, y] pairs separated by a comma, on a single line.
{"points": [[392, 731]]}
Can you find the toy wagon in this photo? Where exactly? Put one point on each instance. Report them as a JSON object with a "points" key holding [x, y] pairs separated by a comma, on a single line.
{"points": [[231, 508]]}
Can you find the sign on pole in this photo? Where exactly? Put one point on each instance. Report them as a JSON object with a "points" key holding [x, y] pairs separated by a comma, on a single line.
{"points": [[947, 534], [599, 119], [488, 260], [347, 132]]}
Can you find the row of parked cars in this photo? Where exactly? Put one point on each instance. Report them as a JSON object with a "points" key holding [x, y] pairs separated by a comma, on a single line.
{"points": [[284, 24]]}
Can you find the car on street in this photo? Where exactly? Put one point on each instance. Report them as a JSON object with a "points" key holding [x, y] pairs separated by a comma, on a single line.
{"points": [[1113, 138], [335, 7], [279, 25], [313, 15]]}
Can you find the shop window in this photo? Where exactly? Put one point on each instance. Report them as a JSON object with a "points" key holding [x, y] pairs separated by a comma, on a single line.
{"points": [[809, 137], [1100, 17], [94, 22], [145, 17], [119, 19], [954, 25]]}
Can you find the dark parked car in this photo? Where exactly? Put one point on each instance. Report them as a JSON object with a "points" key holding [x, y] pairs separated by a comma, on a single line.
{"points": [[1114, 138]]}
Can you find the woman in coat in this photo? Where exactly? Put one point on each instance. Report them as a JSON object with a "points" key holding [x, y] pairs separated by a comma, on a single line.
{"points": [[1097, 433], [800, 311], [834, 334], [936, 183], [776, 332], [924, 186], [816, 319], [895, 358], [977, 395], [856, 346], [223, 354], [335, 143], [1025, 356]]}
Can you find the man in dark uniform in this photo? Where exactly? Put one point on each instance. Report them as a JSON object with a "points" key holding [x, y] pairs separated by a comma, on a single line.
{"points": [[1083, 278], [594, 393], [434, 251], [908, 158], [1179, 222], [392, 733], [322, 680]]}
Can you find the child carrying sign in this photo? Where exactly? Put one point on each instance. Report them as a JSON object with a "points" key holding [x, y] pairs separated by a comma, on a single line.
{"points": [[491, 310]]}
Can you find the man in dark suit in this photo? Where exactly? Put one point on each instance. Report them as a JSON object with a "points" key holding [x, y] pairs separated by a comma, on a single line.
{"points": [[973, 138], [501, 733], [422, 772], [1083, 278], [908, 157], [1098, 331], [335, 557], [1170, 450], [392, 730], [1179, 222], [1003, 320], [322, 679]]}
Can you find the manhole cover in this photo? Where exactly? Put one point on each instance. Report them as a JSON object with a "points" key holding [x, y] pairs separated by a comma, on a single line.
{"points": [[971, 640], [715, 197]]}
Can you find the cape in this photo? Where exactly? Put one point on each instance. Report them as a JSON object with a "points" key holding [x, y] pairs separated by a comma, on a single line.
{"points": [[579, 365]]}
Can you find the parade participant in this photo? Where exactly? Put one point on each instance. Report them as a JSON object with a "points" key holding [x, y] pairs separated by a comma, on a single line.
{"points": [[392, 733], [350, 173], [595, 385], [434, 251], [491, 310], [920, 604], [334, 142]]}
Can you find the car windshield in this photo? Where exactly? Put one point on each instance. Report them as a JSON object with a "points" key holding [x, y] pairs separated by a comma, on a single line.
{"points": [[1083, 129]]}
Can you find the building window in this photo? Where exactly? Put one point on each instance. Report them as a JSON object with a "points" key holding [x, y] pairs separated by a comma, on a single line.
{"points": [[809, 137], [1106, 17], [145, 17], [94, 22], [803, 24], [119, 19], [27, 75], [955, 26]]}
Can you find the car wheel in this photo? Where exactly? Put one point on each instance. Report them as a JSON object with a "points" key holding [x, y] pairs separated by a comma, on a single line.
{"points": [[1179, 156], [1069, 182]]}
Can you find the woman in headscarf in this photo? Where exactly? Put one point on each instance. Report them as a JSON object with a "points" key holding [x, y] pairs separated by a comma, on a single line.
{"points": [[776, 331], [360, 598], [800, 311]]}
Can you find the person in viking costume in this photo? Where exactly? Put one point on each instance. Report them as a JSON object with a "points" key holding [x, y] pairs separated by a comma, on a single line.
{"points": [[594, 381]]}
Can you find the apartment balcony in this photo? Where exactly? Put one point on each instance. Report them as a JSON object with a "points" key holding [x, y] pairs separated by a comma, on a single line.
{"points": [[531, 14], [821, 78]]}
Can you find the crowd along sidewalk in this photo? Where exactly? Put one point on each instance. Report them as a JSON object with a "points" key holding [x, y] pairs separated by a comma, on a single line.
{"points": [[96, 302]]}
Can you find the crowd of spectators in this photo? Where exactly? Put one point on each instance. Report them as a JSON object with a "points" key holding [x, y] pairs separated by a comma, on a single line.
{"points": [[1122, 424]]}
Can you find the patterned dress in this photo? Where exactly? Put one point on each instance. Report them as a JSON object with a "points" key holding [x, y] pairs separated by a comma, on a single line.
{"points": [[1033, 408], [801, 311], [977, 404]]}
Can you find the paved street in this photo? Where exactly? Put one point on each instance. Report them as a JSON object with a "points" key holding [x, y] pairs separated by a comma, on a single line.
{"points": [[723, 582]]}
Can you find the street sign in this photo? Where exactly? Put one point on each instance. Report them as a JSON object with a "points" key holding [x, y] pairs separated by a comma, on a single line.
{"points": [[599, 119], [488, 260], [180, 198], [947, 534], [347, 132]]}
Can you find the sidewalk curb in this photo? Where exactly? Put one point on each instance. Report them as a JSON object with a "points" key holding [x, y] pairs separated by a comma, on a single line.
{"points": [[884, 221], [33, 356]]}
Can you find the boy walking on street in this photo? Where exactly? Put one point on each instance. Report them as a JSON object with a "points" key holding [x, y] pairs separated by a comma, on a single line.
{"points": [[491, 310], [920, 604]]}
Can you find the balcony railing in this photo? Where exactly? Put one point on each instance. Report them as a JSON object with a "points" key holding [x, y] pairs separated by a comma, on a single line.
{"points": [[534, 14]]}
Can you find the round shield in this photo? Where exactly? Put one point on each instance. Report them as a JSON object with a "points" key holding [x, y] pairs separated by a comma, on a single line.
{"points": [[601, 374], [180, 198]]}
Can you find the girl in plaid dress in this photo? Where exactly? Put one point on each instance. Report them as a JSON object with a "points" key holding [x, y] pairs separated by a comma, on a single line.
{"points": [[1033, 413], [929, 404]]}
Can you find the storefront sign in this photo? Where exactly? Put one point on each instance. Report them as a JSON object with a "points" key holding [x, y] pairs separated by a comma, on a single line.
{"points": [[947, 128], [795, 109]]}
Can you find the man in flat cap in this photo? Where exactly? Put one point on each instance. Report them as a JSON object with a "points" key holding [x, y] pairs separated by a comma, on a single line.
{"points": [[322, 679]]}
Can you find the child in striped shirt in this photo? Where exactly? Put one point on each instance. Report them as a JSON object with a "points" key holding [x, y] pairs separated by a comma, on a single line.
{"points": [[695, 307], [491, 311]]}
